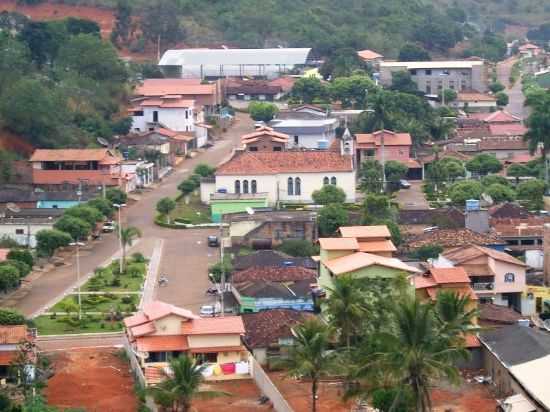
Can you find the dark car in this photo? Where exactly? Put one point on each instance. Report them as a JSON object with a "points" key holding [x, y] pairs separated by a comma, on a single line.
{"points": [[213, 241]]}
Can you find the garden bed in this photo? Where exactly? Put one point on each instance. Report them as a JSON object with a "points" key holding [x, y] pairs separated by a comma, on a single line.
{"points": [[66, 325], [193, 213]]}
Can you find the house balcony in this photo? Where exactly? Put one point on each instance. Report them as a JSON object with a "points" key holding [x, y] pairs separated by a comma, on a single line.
{"points": [[483, 286]]}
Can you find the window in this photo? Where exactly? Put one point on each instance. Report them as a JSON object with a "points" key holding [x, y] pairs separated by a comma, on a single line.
{"points": [[19, 231], [297, 186], [237, 186], [299, 233], [428, 72], [451, 84], [509, 278], [187, 114], [333, 180], [253, 148], [325, 180], [296, 140], [277, 149], [290, 186], [157, 357], [253, 186], [412, 72], [155, 116], [138, 113], [245, 186]]}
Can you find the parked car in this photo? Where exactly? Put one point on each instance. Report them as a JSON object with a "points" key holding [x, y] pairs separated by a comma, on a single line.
{"points": [[404, 184], [213, 241], [108, 227], [212, 290], [208, 311]]}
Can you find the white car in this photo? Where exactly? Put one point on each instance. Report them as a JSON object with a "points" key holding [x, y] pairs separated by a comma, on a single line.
{"points": [[108, 227], [208, 311]]}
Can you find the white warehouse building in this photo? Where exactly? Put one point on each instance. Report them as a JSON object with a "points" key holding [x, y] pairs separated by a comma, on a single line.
{"points": [[219, 63]]}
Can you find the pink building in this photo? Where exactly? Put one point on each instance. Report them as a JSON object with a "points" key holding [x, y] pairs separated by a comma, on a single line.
{"points": [[397, 146]]}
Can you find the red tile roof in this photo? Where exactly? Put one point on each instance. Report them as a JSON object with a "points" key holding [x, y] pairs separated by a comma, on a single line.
{"points": [[268, 326], [228, 325], [144, 329], [273, 274], [167, 103], [72, 155], [10, 335], [475, 97], [264, 131], [7, 357], [507, 129], [449, 238], [363, 232], [360, 260], [472, 341], [501, 116], [266, 163], [450, 275], [374, 246], [339, 243], [161, 87], [498, 314], [369, 55], [390, 139], [162, 343], [469, 252], [285, 82]]}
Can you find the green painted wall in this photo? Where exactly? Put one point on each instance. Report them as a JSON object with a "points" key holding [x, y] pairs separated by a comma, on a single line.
{"points": [[221, 207]]}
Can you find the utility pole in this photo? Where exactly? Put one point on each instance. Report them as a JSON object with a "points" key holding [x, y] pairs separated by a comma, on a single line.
{"points": [[383, 161], [223, 272]]}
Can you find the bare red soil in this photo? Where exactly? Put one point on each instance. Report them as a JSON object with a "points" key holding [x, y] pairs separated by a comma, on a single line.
{"points": [[96, 380], [244, 395], [15, 143]]}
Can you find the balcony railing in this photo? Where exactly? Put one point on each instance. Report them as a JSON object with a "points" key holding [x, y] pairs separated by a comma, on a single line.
{"points": [[483, 286]]}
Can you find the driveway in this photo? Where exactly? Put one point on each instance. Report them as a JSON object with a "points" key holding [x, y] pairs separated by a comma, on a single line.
{"points": [[412, 198], [515, 105], [185, 256]]}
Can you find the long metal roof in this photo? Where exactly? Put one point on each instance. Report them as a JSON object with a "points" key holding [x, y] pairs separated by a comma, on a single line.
{"points": [[448, 64], [197, 57]]}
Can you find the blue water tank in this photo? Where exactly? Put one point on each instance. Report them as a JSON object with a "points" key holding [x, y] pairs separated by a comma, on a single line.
{"points": [[322, 144], [472, 204]]}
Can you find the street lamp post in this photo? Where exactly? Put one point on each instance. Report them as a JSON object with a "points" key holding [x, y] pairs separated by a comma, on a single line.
{"points": [[77, 245], [119, 207]]}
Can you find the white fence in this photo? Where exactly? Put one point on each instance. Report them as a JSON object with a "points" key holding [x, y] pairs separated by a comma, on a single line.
{"points": [[267, 387], [134, 364]]}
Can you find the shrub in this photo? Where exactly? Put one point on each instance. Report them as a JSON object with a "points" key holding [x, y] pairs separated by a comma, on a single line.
{"points": [[330, 218], [138, 258], [500, 193], [492, 179], [329, 194], [22, 255], [48, 240], [11, 317], [103, 205], [21, 267], [430, 251], [76, 227], [204, 170], [89, 214], [299, 248], [459, 192], [9, 277], [187, 186], [262, 111], [217, 269], [115, 195]]}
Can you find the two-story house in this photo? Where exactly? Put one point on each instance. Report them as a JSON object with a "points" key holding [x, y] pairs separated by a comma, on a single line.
{"points": [[76, 166], [496, 277], [265, 139], [370, 239], [307, 133], [161, 332]]}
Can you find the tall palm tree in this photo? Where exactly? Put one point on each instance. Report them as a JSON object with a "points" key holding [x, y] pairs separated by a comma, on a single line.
{"points": [[414, 354], [127, 236], [178, 391], [310, 357], [455, 317], [346, 307]]}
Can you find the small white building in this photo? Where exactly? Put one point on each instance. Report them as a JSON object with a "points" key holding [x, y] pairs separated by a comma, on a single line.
{"points": [[144, 171], [307, 133], [23, 230], [286, 176]]}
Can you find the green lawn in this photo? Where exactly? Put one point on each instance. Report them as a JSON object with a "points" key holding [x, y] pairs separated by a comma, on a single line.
{"points": [[101, 303], [61, 325], [106, 281], [195, 212]]}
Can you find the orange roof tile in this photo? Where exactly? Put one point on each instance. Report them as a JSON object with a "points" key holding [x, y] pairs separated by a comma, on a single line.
{"points": [[167, 103], [390, 139], [143, 329], [218, 349], [153, 375], [10, 335], [369, 55], [450, 275], [501, 116], [266, 163], [364, 232], [71, 155], [472, 341], [475, 97], [373, 246], [161, 87], [360, 260], [338, 243], [134, 320], [7, 357], [264, 131], [466, 253], [157, 310], [214, 326], [508, 129], [462, 291], [162, 343]]}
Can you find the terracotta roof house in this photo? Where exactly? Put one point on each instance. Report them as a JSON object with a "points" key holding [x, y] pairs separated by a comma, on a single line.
{"points": [[452, 238], [247, 90], [474, 101], [530, 50], [496, 276], [11, 338], [265, 139], [370, 239], [492, 315], [275, 177], [508, 210], [273, 274], [370, 56], [269, 332], [61, 166], [286, 83], [161, 331], [521, 234]]}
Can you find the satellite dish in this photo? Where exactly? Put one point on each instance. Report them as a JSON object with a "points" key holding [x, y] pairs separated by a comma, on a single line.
{"points": [[12, 207], [102, 142]]}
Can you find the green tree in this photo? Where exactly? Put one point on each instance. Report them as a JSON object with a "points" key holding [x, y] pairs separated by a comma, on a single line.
{"points": [[414, 355], [517, 170], [496, 87], [116, 196], [104, 206], [532, 192], [377, 207], [352, 90], [22, 268], [308, 89], [187, 186], [464, 190], [403, 82], [449, 94], [15, 62], [43, 40], [127, 236], [160, 23], [346, 308], [454, 168], [330, 218], [329, 194], [22, 255], [538, 121], [456, 315], [204, 170], [395, 171], [429, 251], [48, 240], [217, 269], [77, 228], [371, 176], [411, 52], [9, 277], [500, 193], [123, 21], [165, 206], [262, 111], [76, 26], [177, 391], [502, 99], [310, 357], [341, 63], [489, 180], [11, 317], [299, 248], [484, 163], [88, 213]]}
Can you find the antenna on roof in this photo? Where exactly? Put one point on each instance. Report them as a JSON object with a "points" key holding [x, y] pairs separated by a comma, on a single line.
{"points": [[12, 207]]}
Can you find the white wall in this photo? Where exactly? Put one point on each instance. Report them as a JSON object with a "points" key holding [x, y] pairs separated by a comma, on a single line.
{"points": [[172, 118], [10, 230], [309, 183], [310, 141], [201, 134], [207, 189]]}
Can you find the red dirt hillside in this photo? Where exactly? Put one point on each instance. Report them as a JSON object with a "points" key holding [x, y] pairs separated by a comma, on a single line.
{"points": [[51, 11]]}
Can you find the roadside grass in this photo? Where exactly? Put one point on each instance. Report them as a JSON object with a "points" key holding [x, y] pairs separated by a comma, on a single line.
{"points": [[108, 280], [194, 213], [61, 325], [100, 303]]}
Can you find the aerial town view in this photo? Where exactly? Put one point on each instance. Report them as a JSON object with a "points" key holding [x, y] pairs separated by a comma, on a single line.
{"points": [[273, 205]]}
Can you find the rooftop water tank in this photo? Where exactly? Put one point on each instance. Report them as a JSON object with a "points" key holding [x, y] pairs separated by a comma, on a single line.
{"points": [[472, 204], [322, 144]]}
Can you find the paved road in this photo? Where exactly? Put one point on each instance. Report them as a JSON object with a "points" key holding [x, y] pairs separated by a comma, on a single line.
{"points": [[78, 342], [515, 105], [185, 256], [412, 198]]}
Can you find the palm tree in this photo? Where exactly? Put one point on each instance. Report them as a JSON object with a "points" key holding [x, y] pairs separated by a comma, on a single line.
{"points": [[539, 124], [413, 354], [346, 307], [127, 235], [309, 357], [455, 318], [179, 390]]}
